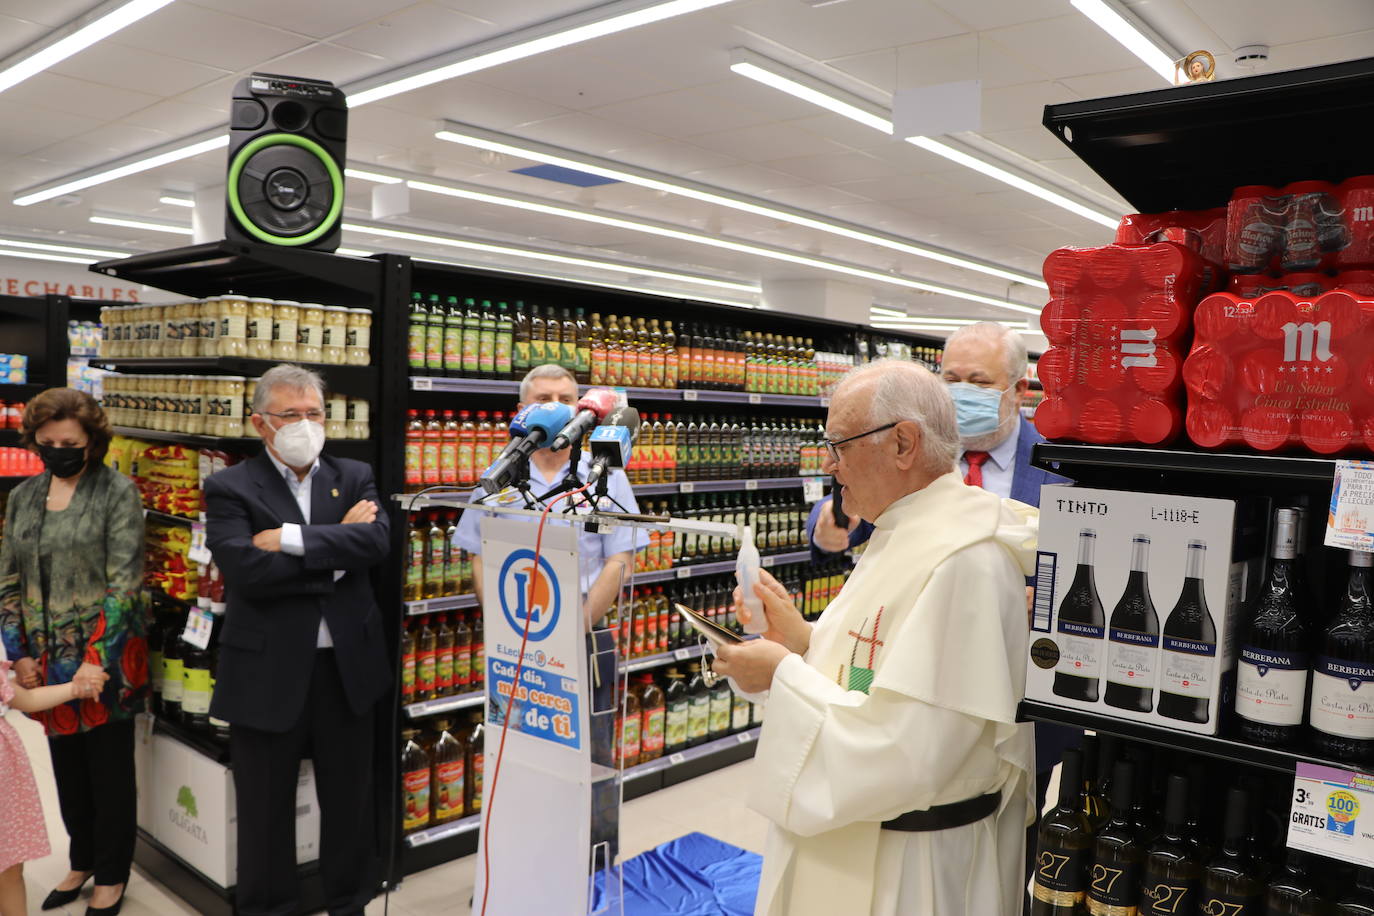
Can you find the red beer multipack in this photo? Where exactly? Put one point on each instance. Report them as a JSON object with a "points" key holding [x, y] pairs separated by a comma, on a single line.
{"points": [[1118, 324], [1283, 372]]}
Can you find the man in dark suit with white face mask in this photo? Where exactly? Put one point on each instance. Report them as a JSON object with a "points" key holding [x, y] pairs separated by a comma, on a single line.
{"points": [[302, 662]]}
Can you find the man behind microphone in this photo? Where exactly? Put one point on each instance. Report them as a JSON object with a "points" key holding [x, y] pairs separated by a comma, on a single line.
{"points": [[606, 556]]}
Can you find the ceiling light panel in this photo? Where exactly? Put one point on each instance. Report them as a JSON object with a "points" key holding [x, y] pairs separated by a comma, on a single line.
{"points": [[1132, 34], [97, 25], [129, 222], [203, 142]]}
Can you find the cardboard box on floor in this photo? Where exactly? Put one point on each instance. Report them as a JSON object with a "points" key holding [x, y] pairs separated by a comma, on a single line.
{"points": [[186, 802], [1166, 672]]}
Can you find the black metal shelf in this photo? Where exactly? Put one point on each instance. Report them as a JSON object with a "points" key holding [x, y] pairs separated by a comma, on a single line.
{"points": [[9, 483], [255, 270], [19, 391], [443, 385], [361, 449], [201, 744], [1065, 459], [1221, 748], [353, 381], [714, 569], [439, 605], [1163, 150], [9, 438], [722, 486], [168, 519]]}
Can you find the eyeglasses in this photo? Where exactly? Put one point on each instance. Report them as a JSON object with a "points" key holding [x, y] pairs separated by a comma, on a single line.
{"points": [[291, 416], [833, 445]]}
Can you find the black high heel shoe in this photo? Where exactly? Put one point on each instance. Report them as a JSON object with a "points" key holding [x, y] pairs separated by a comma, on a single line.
{"points": [[56, 899], [111, 910]]}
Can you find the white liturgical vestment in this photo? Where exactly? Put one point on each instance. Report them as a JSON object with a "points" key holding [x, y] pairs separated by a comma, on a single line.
{"points": [[936, 610]]}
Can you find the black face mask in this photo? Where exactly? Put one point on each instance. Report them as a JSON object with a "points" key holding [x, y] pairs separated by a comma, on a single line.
{"points": [[63, 462]]}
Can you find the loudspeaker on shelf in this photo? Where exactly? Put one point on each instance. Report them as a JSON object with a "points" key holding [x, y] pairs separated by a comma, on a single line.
{"points": [[287, 138]]}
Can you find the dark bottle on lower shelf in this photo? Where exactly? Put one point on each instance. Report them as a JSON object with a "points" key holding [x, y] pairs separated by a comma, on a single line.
{"points": [[1234, 881], [1275, 639], [1171, 874], [1114, 880], [1188, 655], [1062, 847], [1343, 678], [1133, 638], [1291, 891], [1360, 901]]}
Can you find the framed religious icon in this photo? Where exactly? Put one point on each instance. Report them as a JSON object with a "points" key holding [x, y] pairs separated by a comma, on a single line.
{"points": [[1197, 67]]}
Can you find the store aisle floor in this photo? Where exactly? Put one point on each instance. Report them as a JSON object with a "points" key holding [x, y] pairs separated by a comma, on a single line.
{"points": [[713, 804]]}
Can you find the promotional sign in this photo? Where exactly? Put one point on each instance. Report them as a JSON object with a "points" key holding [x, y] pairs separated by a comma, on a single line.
{"points": [[540, 851], [1333, 814], [1136, 599], [1350, 521]]}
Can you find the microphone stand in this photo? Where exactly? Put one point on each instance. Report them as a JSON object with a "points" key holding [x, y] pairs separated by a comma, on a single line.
{"points": [[572, 478]]}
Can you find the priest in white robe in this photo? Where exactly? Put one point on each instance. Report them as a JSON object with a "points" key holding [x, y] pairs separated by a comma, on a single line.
{"points": [[891, 766]]}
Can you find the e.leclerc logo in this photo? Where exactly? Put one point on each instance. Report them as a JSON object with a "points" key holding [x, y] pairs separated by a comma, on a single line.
{"points": [[540, 604]]}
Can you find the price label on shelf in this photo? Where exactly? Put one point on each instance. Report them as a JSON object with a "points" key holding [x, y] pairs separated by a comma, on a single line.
{"points": [[683, 572], [677, 758], [687, 487], [681, 655], [1350, 523], [768, 561], [198, 626], [422, 384], [825, 401], [689, 395], [813, 488], [744, 737], [755, 399], [198, 552], [751, 485], [1333, 814]]}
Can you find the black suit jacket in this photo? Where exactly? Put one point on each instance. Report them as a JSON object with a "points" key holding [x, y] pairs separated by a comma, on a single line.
{"points": [[275, 600]]}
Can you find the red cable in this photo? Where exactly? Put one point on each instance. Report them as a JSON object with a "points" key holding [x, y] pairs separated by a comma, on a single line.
{"points": [[514, 691]]}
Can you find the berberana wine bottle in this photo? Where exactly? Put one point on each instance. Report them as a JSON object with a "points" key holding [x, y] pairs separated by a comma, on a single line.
{"points": [[1114, 882], [1189, 655], [1063, 845], [1133, 638], [1170, 876], [1275, 637], [1342, 705], [1081, 627], [1234, 881]]}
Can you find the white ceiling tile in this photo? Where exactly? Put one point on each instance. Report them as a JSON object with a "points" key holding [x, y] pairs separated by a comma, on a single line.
{"points": [[471, 102], [1241, 22], [124, 139], [760, 144], [673, 157], [684, 113], [990, 14], [415, 33], [842, 130], [510, 16], [74, 153], [110, 63], [54, 92], [215, 39], [843, 29], [1067, 45], [324, 62], [1317, 51], [177, 118], [835, 167], [815, 197], [1032, 142], [314, 18], [1117, 82], [214, 94], [580, 131], [751, 179], [17, 34], [1021, 106], [50, 13]]}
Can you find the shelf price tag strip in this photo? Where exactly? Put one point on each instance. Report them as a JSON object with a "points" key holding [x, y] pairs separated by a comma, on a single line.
{"points": [[1333, 814], [1350, 523]]}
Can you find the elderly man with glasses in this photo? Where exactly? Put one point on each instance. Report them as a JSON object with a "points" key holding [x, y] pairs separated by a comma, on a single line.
{"points": [[890, 764], [302, 659]]}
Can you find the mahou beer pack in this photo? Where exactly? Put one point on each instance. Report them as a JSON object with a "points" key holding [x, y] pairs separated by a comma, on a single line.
{"points": [[1137, 600], [1118, 325]]}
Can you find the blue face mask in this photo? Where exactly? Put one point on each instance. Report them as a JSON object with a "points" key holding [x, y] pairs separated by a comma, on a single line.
{"points": [[978, 411]]}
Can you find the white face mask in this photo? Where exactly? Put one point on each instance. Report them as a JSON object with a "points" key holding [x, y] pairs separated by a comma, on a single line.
{"points": [[298, 444]]}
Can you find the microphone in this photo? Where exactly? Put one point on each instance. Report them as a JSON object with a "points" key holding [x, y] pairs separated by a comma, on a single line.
{"points": [[530, 428], [595, 404], [613, 442]]}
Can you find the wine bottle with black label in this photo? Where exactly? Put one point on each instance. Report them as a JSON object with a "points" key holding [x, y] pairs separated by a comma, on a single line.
{"points": [[1189, 655], [1234, 881], [1272, 675], [1082, 627], [1360, 901], [1342, 705], [1133, 638], [1171, 875], [1063, 845], [1291, 891], [1114, 881]]}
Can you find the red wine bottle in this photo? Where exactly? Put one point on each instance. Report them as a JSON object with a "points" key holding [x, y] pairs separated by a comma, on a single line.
{"points": [[1291, 891], [1081, 629], [1133, 638], [1343, 680], [1188, 660]]}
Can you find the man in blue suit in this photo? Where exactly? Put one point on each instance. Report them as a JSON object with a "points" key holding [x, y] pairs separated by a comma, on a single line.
{"points": [[984, 366]]}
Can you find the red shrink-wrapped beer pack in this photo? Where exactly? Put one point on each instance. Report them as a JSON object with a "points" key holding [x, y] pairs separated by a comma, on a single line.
{"points": [[1282, 372], [1204, 231], [1304, 227], [1118, 322]]}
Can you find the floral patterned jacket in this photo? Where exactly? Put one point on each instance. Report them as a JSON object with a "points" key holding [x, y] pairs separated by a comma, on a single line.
{"points": [[95, 611]]}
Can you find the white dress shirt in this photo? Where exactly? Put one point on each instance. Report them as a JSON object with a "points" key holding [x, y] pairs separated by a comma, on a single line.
{"points": [[1000, 467], [291, 540]]}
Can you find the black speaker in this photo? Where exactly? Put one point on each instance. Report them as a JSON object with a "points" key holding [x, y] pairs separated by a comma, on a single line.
{"points": [[287, 137]]}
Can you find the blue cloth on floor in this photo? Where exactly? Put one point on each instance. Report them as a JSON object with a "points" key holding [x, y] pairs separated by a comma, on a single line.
{"points": [[694, 875]]}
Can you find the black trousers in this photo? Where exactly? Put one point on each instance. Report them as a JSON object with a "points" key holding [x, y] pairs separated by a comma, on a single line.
{"points": [[266, 766], [97, 793]]}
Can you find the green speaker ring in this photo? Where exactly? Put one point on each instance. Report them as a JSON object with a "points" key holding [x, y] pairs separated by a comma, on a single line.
{"points": [[335, 179]]}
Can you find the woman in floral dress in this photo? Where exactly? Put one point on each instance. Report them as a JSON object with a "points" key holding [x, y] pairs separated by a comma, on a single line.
{"points": [[71, 577]]}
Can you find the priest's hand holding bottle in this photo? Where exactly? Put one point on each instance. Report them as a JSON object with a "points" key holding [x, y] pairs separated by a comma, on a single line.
{"points": [[785, 623], [751, 664]]}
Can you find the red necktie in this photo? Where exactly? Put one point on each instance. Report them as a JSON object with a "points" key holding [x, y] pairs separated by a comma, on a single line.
{"points": [[976, 460]]}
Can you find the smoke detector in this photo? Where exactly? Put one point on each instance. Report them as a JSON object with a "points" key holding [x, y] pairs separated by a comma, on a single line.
{"points": [[1251, 57]]}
